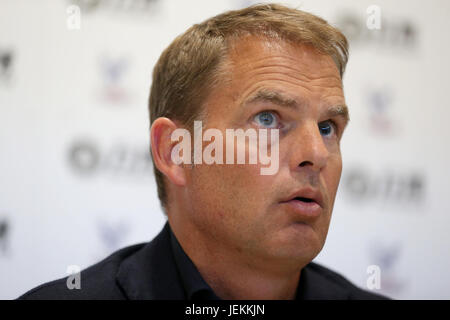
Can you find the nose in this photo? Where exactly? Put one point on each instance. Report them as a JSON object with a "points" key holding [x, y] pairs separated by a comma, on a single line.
{"points": [[310, 150]]}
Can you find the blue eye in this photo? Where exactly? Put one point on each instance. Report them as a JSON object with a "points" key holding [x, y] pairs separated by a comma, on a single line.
{"points": [[266, 119], [326, 128]]}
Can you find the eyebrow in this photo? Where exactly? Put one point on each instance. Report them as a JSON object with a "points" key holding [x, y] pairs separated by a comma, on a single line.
{"points": [[339, 111], [275, 97]]}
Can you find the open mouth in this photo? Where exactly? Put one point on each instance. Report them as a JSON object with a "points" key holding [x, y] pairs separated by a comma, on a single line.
{"points": [[304, 207], [303, 199], [306, 201]]}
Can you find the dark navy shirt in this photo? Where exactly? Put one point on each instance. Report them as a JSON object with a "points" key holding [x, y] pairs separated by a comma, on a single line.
{"points": [[194, 285]]}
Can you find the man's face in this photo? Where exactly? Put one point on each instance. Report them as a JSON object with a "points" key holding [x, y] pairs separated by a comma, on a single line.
{"points": [[262, 217]]}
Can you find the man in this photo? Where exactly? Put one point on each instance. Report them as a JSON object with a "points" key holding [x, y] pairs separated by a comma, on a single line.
{"points": [[234, 232]]}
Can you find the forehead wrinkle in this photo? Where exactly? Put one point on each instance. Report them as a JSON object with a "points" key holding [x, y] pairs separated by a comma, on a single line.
{"points": [[292, 80], [241, 62], [281, 50], [279, 61], [296, 71], [294, 74], [304, 86]]}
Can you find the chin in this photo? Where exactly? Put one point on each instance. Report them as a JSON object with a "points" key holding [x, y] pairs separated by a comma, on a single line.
{"points": [[299, 242]]}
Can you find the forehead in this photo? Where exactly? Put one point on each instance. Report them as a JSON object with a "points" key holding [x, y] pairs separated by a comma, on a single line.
{"points": [[253, 65], [254, 59]]}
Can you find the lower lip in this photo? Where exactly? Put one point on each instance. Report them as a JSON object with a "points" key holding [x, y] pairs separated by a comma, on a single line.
{"points": [[307, 209]]}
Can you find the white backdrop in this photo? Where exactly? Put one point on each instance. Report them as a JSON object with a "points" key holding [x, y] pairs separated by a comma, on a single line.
{"points": [[76, 179]]}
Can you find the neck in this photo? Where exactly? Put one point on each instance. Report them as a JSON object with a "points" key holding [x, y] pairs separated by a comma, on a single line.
{"points": [[230, 281], [234, 275]]}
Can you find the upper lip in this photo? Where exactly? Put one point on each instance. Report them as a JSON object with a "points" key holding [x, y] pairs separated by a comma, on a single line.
{"points": [[309, 193]]}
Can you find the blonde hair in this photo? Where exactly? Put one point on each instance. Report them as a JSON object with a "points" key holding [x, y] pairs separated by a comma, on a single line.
{"points": [[190, 67]]}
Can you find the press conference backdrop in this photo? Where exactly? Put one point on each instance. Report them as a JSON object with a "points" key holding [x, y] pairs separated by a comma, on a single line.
{"points": [[76, 178]]}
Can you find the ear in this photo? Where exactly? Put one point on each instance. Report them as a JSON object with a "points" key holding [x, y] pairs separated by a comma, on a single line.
{"points": [[162, 145]]}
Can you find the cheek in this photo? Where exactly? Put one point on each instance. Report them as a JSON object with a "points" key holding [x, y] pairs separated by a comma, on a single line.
{"points": [[233, 189], [337, 169], [333, 176], [230, 201]]}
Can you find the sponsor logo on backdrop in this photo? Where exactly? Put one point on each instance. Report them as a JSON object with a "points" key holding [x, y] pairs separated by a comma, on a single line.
{"points": [[386, 257], [116, 6], [393, 32], [6, 66], [380, 103], [4, 236], [362, 185], [113, 235], [112, 72], [88, 158]]}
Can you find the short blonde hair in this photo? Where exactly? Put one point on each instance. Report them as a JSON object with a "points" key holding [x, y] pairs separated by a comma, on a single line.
{"points": [[189, 68]]}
